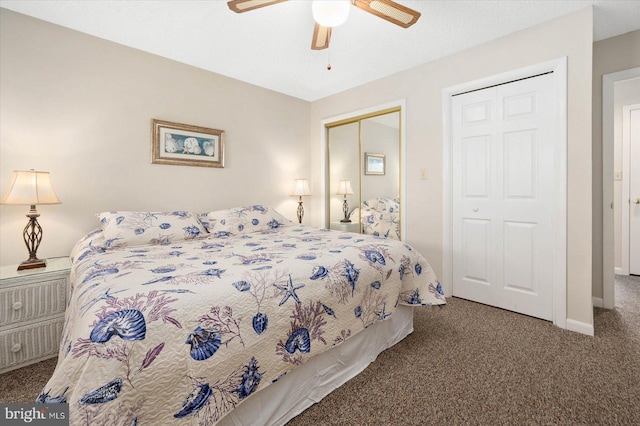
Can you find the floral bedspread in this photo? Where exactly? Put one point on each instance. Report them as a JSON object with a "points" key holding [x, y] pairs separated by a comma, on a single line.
{"points": [[182, 333]]}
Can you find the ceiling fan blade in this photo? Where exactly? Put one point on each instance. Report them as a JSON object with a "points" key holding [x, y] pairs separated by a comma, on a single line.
{"points": [[321, 37], [390, 11], [240, 6]]}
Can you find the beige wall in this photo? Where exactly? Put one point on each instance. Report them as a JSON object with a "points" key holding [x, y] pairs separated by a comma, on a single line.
{"points": [[81, 108], [422, 86], [611, 55]]}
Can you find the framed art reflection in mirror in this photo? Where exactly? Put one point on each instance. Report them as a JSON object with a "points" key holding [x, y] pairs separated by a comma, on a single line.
{"points": [[374, 164]]}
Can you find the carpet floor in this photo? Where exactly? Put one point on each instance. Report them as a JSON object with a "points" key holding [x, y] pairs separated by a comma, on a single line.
{"points": [[472, 364]]}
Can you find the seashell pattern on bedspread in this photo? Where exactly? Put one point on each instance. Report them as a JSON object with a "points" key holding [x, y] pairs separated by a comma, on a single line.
{"points": [[379, 216], [182, 333]]}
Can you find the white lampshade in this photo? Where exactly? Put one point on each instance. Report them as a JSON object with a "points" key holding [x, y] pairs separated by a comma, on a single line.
{"points": [[30, 187], [330, 13], [344, 188], [301, 187]]}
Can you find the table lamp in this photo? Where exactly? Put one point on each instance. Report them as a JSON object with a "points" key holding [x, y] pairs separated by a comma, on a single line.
{"points": [[344, 188], [30, 187], [300, 188]]}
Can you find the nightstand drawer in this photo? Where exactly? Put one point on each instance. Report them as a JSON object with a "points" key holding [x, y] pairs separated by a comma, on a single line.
{"points": [[29, 344], [32, 301]]}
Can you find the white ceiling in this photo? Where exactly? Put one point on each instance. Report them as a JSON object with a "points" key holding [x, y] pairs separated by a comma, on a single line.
{"points": [[270, 47]]}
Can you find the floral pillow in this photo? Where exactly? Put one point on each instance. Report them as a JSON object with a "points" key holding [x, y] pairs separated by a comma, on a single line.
{"points": [[243, 220], [122, 229]]}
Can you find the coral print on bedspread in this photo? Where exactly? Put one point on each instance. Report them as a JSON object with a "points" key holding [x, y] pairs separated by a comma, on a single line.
{"points": [[180, 328]]}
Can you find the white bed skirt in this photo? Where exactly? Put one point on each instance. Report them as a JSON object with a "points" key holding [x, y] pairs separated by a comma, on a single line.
{"points": [[309, 383]]}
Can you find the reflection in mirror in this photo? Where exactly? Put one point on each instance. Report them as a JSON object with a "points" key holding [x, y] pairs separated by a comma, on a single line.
{"points": [[343, 166], [365, 151], [380, 176], [344, 188]]}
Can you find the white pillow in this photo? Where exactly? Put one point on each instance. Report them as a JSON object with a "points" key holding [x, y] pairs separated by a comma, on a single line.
{"points": [[122, 229]]}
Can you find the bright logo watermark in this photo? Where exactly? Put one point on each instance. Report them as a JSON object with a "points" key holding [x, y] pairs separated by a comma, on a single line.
{"points": [[36, 414]]}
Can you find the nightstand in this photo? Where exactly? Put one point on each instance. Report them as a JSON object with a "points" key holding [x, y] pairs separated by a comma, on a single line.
{"points": [[32, 306], [347, 227]]}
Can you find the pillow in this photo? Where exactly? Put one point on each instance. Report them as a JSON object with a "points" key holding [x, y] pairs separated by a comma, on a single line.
{"points": [[243, 220], [383, 204], [122, 229]]}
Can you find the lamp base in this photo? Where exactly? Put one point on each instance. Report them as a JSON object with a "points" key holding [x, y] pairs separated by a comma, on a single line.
{"points": [[32, 264], [300, 210], [32, 235], [345, 210]]}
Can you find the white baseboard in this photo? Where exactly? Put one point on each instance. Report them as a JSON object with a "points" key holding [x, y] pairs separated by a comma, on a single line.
{"points": [[579, 327], [598, 302], [618, 271]]}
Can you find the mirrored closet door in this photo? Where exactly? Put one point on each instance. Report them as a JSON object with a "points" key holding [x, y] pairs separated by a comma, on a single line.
{"points": [[364, 174]]}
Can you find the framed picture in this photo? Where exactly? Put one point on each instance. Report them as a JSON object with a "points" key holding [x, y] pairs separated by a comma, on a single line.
{"points": [[374, 164], [186, 145]]}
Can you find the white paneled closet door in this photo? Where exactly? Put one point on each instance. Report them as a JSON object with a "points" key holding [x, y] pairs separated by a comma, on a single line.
{"points": [[503, 174]]}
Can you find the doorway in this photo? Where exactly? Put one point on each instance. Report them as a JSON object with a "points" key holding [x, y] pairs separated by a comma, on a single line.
{"points": [[513, 169], [631, 185], [615, 250]]}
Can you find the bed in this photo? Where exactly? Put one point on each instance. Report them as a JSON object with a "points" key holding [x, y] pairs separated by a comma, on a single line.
{"points": [[379, 216], [237, 316]]}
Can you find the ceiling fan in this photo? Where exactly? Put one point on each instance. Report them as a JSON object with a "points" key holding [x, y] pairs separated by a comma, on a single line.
{"points": [[336, 11]]}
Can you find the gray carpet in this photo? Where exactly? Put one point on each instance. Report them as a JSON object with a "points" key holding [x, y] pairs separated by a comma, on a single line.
{"points": [[475, 365]]}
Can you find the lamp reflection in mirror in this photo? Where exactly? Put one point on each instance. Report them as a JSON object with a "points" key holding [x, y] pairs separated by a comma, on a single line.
{"points": [[30, 187], [300, 188], [344, 188]]}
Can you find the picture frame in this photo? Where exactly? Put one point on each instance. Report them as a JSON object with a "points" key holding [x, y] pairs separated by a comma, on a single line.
{"points": [[374, 164], [186, 145]]}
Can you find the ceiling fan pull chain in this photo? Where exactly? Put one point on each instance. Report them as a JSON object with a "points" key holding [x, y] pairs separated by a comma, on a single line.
{"points": [[329, 58]]}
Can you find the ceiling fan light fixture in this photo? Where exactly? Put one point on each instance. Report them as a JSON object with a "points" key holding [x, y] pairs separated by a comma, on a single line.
{"points": [[330, 13]]}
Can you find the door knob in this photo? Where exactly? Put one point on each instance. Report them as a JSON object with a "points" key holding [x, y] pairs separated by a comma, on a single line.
{"points": [[637, 201]]}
